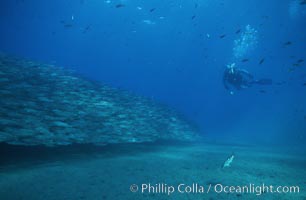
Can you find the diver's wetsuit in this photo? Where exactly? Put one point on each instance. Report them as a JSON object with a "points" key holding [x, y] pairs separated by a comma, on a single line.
{"points": [[237, 78], [240, 79]]}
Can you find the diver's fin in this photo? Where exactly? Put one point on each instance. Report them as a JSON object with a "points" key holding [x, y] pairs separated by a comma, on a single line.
{"points": [[264, 81]]}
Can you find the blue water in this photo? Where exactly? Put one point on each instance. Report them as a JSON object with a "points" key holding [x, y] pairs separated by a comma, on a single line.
{"points": [[59, 131], [174, 54]]}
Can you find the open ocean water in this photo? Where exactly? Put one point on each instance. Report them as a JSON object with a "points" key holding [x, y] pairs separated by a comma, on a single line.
{"points": [[156, 99]]}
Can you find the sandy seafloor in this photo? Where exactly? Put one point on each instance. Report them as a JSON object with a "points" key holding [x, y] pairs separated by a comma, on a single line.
{"points": [[86, 172]]}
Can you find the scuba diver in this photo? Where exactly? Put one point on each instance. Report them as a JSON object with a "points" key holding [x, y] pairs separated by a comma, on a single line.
{"points": [[234, 78]]}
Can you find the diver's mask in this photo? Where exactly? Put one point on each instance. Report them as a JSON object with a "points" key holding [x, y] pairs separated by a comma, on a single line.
{"points": [[231, 67]]}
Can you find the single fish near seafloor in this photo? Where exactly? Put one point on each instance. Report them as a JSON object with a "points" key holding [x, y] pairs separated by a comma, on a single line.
{"points": [[228, 161]]}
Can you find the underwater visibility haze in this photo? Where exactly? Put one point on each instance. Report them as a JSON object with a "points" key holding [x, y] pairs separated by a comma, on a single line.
{"points": [[155, 99]]}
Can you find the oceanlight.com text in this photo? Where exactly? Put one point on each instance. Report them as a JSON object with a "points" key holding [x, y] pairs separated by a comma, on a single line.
{"points": [[196, 188], [256, 189]]}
